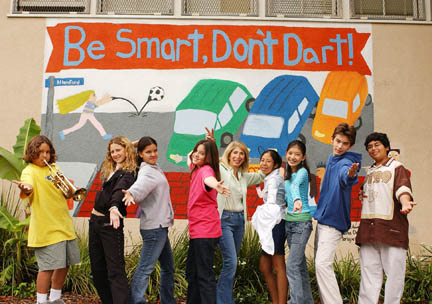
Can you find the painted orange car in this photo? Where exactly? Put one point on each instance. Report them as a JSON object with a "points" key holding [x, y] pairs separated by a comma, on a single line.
{"points": [[342, 99]]}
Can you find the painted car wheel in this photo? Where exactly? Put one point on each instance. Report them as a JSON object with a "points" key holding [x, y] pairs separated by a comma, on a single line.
{"points": [[368, 100], [249, 104], [359, 121], [225, 139]]}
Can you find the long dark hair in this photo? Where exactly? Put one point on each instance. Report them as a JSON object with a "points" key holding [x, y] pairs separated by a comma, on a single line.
{"points": [[142, 144], [277, 160], [211, 156], [303, 164]]}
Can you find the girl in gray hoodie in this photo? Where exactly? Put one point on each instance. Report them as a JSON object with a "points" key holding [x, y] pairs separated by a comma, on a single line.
{"points": [[152, 191]]}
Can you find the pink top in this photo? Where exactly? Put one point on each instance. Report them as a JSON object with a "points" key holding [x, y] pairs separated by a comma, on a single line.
{"points": [[203, 216]]}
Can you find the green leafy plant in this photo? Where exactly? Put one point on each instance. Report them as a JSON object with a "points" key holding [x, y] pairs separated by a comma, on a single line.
{"points": [[11, 164], [347, 270], [418, 277], [78, 279], [18, 264], [249, 285]]}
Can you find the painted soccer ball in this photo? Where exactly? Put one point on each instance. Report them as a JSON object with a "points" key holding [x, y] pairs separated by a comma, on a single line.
{"points": [[156, 93]]}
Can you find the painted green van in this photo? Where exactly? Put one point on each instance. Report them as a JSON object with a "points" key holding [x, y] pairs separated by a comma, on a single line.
{"points": [[213, 103]]}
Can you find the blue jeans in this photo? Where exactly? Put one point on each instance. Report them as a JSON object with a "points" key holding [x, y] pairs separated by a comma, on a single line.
{"points": [[156, 246], [297, 235], [232, 234]]}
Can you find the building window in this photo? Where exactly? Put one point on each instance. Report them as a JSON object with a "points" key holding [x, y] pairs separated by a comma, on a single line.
{"points": [[304, 8], [51, 6], [388, 9], [135, 7], [220, 7]]}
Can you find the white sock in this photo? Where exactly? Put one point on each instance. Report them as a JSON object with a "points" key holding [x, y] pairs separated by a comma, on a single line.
{"points": [[55, 294], [42, 297]]}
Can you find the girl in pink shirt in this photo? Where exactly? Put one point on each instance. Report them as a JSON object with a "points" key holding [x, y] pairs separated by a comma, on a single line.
{"points": [[204, 222]]}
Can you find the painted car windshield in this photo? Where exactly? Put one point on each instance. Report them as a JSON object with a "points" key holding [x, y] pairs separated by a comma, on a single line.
{"points": [[237, 98], [193, 121], [225, 115], [356, 103], [263, 126], [334, 107], [295, 117]]}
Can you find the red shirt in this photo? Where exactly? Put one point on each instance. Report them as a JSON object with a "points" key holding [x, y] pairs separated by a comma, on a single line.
{"points": [[203, 216]]}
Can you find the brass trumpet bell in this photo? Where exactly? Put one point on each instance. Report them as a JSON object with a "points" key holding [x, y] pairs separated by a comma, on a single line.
{"points": [[67, 188]]}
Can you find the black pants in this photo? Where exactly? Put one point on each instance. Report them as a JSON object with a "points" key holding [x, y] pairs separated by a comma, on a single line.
{"points": [[199, 271], [106, 246]]}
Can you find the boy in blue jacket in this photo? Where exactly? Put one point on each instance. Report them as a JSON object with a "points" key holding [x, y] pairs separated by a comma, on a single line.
{"points": [[334, 206]]}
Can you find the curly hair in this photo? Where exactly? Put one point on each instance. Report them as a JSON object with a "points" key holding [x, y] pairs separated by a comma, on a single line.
{"points": [[129, 164], [33, 149], [227, 153]]}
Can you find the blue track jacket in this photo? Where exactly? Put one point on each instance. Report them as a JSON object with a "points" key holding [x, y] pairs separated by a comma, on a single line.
{"points": [[334, 203]]}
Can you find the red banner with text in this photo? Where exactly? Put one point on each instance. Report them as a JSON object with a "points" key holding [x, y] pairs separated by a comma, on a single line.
{"points": [[161, 46]]}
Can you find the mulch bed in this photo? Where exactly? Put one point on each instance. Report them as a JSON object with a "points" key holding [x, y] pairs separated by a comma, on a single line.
{"points": [[69, 298]]}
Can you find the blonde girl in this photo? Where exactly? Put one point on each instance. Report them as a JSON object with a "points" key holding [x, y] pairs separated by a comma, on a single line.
{"points": [[73, 102], [106, 238]]}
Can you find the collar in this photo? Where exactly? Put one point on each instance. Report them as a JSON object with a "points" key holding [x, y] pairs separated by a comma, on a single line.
{"points": [[273, 173], [143, 164], [231, 170], [386, 164]]}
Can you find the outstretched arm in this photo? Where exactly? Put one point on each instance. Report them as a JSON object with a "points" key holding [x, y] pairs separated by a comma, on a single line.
{"points": [[407, 203], [213, 183], [352, 171], [106, 98], [128, 198], [26, 189]]}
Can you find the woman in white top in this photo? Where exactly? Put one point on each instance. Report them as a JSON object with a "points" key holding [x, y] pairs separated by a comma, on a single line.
{"points": [[234, 167], [274, 193]]}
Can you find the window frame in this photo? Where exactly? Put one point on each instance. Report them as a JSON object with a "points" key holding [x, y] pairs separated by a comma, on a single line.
{"points": [[337, 11], [253, 9], [419, 12], [57, 7]]}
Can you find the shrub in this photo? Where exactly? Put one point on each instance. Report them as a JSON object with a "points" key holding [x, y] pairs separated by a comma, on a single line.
{"points": [[18, 264], [418, 277], [79, 278]]}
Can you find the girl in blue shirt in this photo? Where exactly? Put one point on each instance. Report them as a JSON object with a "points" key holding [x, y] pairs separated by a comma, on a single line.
{"points": [[298, 222]]}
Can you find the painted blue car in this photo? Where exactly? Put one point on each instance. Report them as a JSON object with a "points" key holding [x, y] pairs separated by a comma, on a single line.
{"points": [[278, 114]]}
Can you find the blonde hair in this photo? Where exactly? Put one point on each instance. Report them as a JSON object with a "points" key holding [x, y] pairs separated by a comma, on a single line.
{"points": [[129, 164], [236, 144], [73, 102]]}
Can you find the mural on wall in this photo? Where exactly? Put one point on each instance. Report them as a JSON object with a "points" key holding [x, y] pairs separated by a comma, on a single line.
{"points": [[264, 85]]}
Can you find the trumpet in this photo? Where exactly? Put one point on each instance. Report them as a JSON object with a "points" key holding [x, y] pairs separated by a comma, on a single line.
{"points": [[65, 185]]}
